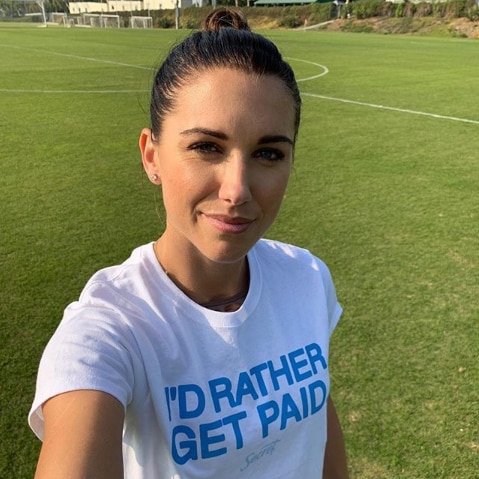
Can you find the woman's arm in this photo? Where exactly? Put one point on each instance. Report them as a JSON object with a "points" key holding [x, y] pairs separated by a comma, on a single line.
{"points": [[335, 462], [83, 437]]}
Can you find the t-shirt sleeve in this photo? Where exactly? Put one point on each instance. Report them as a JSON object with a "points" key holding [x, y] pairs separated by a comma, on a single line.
{"points": [[334, 308], [90, 350]]}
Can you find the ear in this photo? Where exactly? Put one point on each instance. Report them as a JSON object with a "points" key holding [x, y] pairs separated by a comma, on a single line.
{"points": [[149, 156]]}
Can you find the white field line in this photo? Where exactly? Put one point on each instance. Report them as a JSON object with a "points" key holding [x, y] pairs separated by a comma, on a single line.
{"points": [[391, 108], [78, 57], [324, 72], [5, 90]]}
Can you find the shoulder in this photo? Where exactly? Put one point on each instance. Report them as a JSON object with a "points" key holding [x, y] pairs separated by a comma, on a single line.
{"points": [[101, 325], [138, 261], [100, 341], [119, 285], [286, 263], [288, 268], [113, 304], [285, 255], [274, 247]]}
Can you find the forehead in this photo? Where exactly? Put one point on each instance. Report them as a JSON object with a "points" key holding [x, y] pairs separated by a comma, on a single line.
{"points": [[224, 96]]}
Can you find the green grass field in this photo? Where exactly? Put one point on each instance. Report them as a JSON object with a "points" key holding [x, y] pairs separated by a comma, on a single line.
{"points": [[385, 190]]}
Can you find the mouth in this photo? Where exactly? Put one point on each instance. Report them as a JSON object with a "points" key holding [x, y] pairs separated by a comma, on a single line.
{"points": [[229, 224]]}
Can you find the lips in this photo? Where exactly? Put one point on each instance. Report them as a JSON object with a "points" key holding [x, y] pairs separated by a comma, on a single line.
{"points": [[229, 224]]}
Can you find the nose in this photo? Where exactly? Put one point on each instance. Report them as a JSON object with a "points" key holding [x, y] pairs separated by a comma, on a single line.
{"points": [[235, 180]]}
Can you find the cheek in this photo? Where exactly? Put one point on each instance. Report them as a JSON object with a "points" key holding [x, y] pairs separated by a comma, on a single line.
{"points": [[185, 187], [272, 192]]}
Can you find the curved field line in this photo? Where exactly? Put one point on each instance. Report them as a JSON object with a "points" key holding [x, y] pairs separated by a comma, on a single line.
{"points": [[324, 72]]}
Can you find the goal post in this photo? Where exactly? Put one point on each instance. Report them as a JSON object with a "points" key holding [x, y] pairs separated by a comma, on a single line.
{"points": [[141, 22], [34, 17], [58, 18], [26, 9], [100, 20], [91, 20], [109, 21]]}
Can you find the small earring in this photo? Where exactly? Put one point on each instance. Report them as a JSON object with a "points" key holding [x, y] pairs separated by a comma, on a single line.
{"points": [[154, 178]]}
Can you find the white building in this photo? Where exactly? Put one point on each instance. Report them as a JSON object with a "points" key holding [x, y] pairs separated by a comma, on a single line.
{"points": [[114, 6]]}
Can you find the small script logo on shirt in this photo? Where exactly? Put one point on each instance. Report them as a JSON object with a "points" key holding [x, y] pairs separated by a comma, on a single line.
{"points": [[257, 455]]}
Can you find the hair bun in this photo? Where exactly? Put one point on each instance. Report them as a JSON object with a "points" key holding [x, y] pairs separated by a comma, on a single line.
{"points": [[226, 18]]}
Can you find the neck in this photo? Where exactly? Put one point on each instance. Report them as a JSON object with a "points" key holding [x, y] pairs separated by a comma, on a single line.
{"points": [[204, 281]]}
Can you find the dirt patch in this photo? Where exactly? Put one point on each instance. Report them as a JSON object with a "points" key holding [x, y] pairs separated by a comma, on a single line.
{"points": [[466, 28]]}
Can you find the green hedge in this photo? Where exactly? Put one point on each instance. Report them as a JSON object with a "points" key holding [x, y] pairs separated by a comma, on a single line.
{"points": [[296, 16], [362, 9]]}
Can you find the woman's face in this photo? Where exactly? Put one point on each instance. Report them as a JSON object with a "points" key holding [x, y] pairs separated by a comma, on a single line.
{"points": [[223, 159]]}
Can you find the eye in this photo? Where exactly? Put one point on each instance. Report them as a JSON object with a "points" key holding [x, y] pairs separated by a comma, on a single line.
{"points": [[269, 154], [204, 147]]}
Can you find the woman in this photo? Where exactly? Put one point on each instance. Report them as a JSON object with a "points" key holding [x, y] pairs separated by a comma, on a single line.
{"points": [[205, 354]]}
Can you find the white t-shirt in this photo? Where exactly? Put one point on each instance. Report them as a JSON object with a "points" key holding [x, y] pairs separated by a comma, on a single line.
{"points": [[206, 394]]}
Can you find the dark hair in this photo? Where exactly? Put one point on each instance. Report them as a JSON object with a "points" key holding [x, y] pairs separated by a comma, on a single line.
{"points": [[225, 41]]}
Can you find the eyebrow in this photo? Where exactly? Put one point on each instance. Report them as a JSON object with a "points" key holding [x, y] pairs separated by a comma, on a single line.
{"points": [[275, 139], [222, 136], [204, 131]]}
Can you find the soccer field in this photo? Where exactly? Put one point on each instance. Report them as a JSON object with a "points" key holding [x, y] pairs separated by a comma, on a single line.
{"points": [[385, 190]]}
